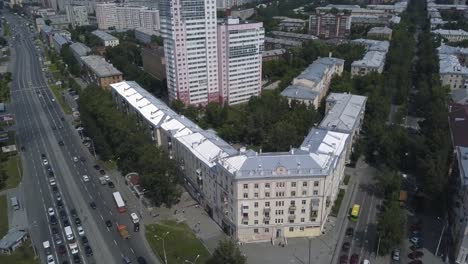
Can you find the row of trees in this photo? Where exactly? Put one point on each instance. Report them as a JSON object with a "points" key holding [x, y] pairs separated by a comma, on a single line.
{"points": [[118, 137]]}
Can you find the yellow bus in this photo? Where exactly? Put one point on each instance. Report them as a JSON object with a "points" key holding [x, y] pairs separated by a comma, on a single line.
{"points": [[355, 212]]}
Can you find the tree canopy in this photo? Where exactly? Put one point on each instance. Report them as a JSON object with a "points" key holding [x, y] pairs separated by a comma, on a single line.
{"points": [[227, 252]]}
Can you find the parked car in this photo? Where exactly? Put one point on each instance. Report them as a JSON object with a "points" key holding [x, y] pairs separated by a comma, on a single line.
{"points": [[57, 239], [345, 247], [108, 223], [51, 211], [344, 259], [415, 240], [78, 221], [415, 254], [349, 232], [141, 260], [73, 212], [62, 250], [88, 251], [85, 178], [53, 220], [97, 167], [396, 254], [84, 240], [354, 259], [111, 184], [81, 231], [93, 205], [103, 172], [416, 262]]}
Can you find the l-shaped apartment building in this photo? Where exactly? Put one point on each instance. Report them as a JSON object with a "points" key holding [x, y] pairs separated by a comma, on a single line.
{"points": [[252, 196]]}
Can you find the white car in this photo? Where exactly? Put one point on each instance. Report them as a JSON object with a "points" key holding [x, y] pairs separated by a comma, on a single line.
{"points": [[52, 181], [80, 231], [85, 178], [75, 159], [396, 254], [53, 99], [50, 259], [415, 240], [107, 178], [51, 211], [45, 162]]}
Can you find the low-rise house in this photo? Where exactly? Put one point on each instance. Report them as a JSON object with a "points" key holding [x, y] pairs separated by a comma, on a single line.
{"points": [[293, 36], [277, 43], [107, 39], [144, 35], [79, 50], [12, 240], [59, 41], [40, 23], [452, 35], [311, 86], [290, 24], [154, 61], [373, 60], [268, 55], [99, 72], [380, 33]]}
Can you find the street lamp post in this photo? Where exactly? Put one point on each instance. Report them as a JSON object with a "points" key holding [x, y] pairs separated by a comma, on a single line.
{"points": [[164, 246], [194, 261]]}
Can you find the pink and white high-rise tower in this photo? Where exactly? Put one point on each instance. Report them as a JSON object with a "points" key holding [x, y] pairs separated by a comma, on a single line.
{"points": [[189, 29]]}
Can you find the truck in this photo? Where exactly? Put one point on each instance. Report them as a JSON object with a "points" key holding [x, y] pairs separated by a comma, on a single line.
{"points": [[46, 245], [73, 247], [123, 231]]}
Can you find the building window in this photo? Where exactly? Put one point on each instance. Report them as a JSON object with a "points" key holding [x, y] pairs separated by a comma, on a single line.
{"points": [[246, 186], [293, 184], [256, 213], [304, 192], [302, 220], [256, 195], [246, 195], [293, 203], [256, 204], [245, 222], [293, 193], [267, 185], [291, 229], [256, 186], [315, 192], [256, 230], [291, 221], [255, 222], [301, 228], [316, 183], [267, 204], [303, 202], [303, 184], [302, 211], [267, 230], [267, 222], [267, 194]]}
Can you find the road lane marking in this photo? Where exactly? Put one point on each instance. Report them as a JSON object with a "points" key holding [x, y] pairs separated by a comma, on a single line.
{"points": [[115, 242], [110, 212], [101, 217], [132, 251], [108, 229]]}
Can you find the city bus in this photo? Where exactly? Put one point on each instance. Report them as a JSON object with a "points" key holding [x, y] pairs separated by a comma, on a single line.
{"points": [[354, 212], [119, 202]]}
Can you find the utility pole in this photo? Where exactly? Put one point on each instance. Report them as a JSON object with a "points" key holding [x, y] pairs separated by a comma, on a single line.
{"points": [[310, 246], [378, 247]]}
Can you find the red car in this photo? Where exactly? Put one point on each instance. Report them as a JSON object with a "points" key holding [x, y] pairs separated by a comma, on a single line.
{"points": [[354, 259], [344, 259], [415, 254]]}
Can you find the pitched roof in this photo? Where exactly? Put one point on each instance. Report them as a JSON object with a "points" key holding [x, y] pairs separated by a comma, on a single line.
{"points": [[345, 112], [458, 120]]}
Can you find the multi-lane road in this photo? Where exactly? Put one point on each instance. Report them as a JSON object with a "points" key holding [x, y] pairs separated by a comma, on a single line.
{"points": [[40, 126]]}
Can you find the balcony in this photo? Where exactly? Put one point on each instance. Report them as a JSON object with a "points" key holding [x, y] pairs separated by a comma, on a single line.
{"points": [[245, 210], [292, 217], [266, 209], [292, 208], [266, 218]]}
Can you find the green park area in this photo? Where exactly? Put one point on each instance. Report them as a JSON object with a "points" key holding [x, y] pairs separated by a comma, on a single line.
{"points": [[180, 243]]}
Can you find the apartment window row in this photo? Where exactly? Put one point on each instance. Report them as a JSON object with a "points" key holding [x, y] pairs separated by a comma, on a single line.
{"points": [[280, 184]]}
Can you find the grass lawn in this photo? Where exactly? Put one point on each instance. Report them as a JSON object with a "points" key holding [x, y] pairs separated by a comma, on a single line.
{"points": [[3, 216], [57, 92], [11, 167], [22, 255], [181, 243]]}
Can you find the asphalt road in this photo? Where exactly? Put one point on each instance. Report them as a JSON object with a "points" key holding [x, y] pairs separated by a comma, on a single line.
{"points": [[364, 240], [40, 127]]}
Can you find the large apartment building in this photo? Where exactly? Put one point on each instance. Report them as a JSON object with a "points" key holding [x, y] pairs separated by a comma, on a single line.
{"points": [[252, 196], [452, 66], [77, 15], [240, 60], [373, 60], [329, 25], [124, 17]]}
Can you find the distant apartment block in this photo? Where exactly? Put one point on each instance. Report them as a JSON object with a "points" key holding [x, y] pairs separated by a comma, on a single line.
{"points": [[79, 50], [252, 196], [345, 113], [124, 17], [452, 66], [77, 15], [145, 35], [452, 35], [380, 33], [292, 24], [311, 86], [40, 23], [374, 59], [240, 47], [99, 72], [328, 26], [154, 62], [107, 39], [268, 55], [279, 43]]}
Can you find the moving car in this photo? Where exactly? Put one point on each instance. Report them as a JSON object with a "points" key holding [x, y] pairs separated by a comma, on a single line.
{"points": [[344, 259], [349, 232], [81, 231], [396, 255], [93, 205], [50, 259], [51, 211], [75, 159], [78, 221], [108, 223], [85, 178]]}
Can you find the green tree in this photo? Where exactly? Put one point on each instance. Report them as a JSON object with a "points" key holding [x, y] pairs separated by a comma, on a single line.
{"points": [[389, 228], [227, 253]]}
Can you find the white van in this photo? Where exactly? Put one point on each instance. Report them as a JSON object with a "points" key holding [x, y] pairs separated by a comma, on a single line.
{"points": [[366, 261], [46, 245], [69, 233], [14, 203]]}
